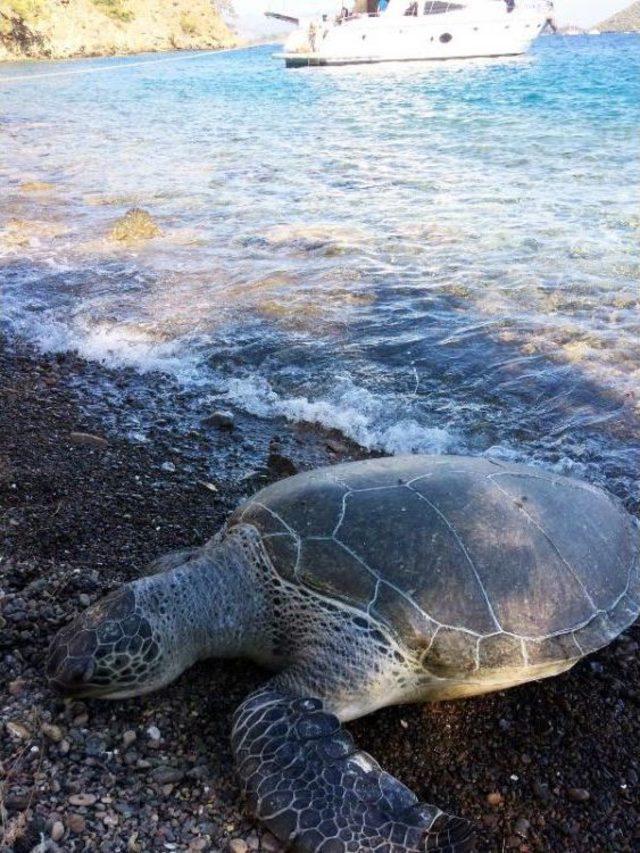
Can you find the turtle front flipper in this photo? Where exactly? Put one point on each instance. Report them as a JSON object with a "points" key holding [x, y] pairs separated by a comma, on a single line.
{"points": [[317, 792]]}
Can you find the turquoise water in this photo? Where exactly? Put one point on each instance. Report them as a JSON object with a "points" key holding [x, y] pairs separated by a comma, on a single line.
{"points": [[428, 257]]}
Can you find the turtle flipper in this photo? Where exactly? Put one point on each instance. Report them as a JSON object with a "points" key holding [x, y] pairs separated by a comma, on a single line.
{"points": [[308, 782]]}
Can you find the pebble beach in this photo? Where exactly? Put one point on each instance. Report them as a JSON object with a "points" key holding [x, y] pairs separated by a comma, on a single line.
{"points": [[551, 766], [215, 274]]}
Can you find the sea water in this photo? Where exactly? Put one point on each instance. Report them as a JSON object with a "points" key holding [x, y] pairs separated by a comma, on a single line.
{"points": [[428, 257]]}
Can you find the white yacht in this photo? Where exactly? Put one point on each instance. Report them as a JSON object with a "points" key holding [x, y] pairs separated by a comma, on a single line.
{"points": [[397, 30]]}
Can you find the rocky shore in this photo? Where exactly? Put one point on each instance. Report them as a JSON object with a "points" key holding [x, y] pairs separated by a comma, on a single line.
{"points": [[48, 29], [85, 503]]}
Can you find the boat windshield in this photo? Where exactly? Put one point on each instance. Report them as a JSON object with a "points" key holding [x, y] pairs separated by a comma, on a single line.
{"points": [[399, 8]]}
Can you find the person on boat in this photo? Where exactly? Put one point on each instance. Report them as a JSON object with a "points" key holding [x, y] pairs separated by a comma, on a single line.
{"points": [[312, 37]]}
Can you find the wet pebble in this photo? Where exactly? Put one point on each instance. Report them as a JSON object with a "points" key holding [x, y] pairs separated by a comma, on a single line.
{"points": [[82, 799], [57, 830], [16, 688], [17, 802], [128, 738], [167, 775], [52, 732], [280, 465], [522, 827], [220, 419], [578, 795], [18, 730], [75, 823]]}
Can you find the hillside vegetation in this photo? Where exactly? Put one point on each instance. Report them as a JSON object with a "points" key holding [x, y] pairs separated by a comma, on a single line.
{"points": [[58, 29], [628, 20]]}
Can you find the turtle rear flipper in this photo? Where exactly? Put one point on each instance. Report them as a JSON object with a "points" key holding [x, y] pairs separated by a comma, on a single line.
{"points": [[316, 791]]}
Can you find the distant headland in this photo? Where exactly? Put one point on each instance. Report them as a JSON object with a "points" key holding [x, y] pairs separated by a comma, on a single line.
{"points": [[628, 20], [60, 29]]}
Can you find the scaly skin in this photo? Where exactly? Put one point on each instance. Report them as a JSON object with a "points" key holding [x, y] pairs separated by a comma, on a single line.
{"points": [[302, 773], [316, 791], [368, 584]]}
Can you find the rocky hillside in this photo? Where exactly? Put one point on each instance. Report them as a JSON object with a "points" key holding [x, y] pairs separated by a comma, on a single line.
{"points": [[57, 29], [628, 20]]}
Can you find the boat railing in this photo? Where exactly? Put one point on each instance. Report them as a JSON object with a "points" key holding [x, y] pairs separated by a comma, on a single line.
{"points": [[354, 16]]}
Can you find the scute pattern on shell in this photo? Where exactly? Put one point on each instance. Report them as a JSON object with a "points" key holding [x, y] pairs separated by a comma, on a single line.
{"points": [[473, 563]]}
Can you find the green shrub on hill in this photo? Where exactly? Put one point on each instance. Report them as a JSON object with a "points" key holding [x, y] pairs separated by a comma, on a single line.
{"points": [[27, 10], [116, 9]]}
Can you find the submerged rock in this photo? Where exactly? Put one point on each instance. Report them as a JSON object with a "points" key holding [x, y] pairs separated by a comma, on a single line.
{"points": [[36, 186], [137, 224], [329, 239], [26, 232]]}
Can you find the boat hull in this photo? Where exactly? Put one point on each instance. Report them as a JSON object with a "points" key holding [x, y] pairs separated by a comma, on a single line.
{"points": [[409, 39], [315, 61]]}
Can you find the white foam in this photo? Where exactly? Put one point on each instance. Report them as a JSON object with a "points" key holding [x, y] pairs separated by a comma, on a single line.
{"points": [[125, 344], [353, 411], [374, 422], [112, 343]]}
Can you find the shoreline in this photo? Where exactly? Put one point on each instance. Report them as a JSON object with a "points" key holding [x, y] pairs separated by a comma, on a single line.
{"points": [[550, 766], [160, 52]]}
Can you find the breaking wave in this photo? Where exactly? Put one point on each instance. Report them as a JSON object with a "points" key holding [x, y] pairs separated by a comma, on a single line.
{"points": [[354, 412]]}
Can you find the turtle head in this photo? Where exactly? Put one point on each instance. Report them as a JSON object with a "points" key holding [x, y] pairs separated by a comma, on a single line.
{"points": [[146, 634], [110, 650]]}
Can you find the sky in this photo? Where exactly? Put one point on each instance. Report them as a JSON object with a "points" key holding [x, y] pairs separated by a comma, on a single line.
{"points": [[251, 20]]}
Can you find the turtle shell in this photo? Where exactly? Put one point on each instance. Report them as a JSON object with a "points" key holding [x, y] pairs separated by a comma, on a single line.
{"points": [[500, 562]]}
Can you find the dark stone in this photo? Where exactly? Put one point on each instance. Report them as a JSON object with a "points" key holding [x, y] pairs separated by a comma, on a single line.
{"points": [[219, 419], [578, 795], [281, 465], [167, 775]]}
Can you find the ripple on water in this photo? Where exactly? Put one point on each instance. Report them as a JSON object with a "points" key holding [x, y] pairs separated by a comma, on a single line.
{"points": [[423, 257]]}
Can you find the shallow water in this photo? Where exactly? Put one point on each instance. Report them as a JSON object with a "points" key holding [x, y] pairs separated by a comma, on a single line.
{"points": [[428, 257]]}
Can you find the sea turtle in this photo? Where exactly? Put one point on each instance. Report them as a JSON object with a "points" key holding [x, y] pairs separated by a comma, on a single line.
{"points": [[368, 584]]}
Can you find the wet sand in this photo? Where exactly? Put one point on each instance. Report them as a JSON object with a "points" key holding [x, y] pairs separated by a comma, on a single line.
{"points": [[552, 766]]}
